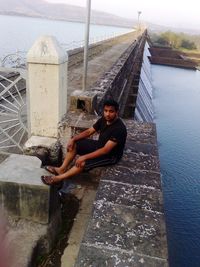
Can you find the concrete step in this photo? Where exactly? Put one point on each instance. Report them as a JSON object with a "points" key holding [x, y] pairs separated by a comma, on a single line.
{"points": [[22, 194], [31, 210]]}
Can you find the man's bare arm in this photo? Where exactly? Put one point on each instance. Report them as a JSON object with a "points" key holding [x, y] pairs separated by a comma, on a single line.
{"points": [[84, 134], [80, 162], [80, 136]]}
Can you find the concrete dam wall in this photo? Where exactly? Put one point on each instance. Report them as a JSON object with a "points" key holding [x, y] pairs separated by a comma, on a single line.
{"points": [[144, 106], [126, 226], [109, 239]]}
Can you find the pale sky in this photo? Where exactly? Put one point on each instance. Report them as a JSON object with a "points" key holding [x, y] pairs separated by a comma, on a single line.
{"points": [[175, 13]]}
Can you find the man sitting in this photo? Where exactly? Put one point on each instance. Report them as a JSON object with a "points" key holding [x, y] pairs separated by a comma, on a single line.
{"points": [[107, 150]]}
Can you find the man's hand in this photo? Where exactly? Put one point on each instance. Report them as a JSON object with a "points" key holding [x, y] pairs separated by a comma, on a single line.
{"points": [[80, 162], [70, 145], [84, 134]]}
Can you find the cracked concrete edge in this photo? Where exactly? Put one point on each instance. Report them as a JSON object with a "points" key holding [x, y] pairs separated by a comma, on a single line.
{"points": [[80, 224]]}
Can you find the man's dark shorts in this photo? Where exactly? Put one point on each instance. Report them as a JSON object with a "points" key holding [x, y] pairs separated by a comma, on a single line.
{"points": [[86, 146]]}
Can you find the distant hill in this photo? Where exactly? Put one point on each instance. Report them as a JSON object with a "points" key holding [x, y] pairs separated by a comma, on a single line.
{"points": [[43, 9]]}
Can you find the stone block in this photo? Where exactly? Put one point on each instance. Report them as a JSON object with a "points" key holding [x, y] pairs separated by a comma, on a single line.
{"points": [[23, 195], [46, 50], [47, 149], [139, 132], [142, 197], [140, 161], [150, 149], [130, 229], [74, 123], [132, 176], [32, 205], [10, 197], [105, 257], [83, 101], [47, 81]]}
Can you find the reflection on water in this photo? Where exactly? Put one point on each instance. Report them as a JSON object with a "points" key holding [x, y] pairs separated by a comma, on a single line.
{"points": [[177, 110]]}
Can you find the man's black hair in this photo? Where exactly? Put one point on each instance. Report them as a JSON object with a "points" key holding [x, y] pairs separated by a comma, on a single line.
{"points": [[112, 103]]}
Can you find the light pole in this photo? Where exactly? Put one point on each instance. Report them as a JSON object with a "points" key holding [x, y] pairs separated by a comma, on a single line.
{"points": [[87, 33], [139, 13]]}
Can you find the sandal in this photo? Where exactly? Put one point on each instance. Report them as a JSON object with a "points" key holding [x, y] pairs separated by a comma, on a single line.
{"points": [[48, 180], [51, 169]]}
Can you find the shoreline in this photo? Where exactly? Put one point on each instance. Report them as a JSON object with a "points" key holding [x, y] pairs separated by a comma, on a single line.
{"points": [[13, 14]]}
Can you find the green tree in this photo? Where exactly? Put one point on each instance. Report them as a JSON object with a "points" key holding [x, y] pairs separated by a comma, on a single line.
{"points": [[188, 44], [177, 40]]}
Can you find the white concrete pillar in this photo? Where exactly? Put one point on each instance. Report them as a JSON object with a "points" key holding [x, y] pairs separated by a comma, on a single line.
{"points": [[46, 86]]}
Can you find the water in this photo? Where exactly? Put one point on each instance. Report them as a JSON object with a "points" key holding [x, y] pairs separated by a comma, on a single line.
{"points": [[19, 33], [177, 109]]}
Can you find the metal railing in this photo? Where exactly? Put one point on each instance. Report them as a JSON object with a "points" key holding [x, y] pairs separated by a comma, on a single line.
{"points": [[13, 113], [78, 44], [14, 60], [18, 59]]}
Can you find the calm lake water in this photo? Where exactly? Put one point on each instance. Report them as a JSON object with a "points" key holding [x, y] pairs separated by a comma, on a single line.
{"points": [[19, 33], [177, 110]]}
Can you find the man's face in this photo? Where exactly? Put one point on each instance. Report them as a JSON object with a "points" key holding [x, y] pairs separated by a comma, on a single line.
{"points": [[110, 114]]}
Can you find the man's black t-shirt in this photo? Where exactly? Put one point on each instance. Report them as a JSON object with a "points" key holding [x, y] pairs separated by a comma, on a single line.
{"points": [[115, 132]]}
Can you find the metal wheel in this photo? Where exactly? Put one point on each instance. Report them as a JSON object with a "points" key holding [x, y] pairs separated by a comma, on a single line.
{"points": [[13, 113]]}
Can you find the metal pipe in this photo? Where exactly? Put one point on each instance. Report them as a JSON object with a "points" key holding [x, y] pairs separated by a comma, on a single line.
{"points": [[139, 13], [87, 31]]}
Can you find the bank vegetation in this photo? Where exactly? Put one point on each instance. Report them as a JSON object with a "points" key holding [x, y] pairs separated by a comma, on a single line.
{"points": [[185, 43]]}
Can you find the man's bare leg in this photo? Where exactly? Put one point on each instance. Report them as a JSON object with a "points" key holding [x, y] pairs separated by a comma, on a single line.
{"points": [[70, 155], [50, 180], [69, 173]]}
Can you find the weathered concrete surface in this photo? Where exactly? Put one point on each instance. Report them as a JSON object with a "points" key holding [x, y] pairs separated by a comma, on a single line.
{"points": [[72, 123], [127, 227], [47, 81], [22, 194], [40, 141], [100, 64], [32, 210], [76, 56], [120, 81], [48, 150], [70, 254], [102, 257]]}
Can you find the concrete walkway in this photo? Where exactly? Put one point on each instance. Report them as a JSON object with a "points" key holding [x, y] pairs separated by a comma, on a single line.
{"points": [[98, 65]]}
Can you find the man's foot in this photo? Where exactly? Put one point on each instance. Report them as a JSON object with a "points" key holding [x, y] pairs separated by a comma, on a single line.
{"points": [[49, 180], [52, 170]]}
